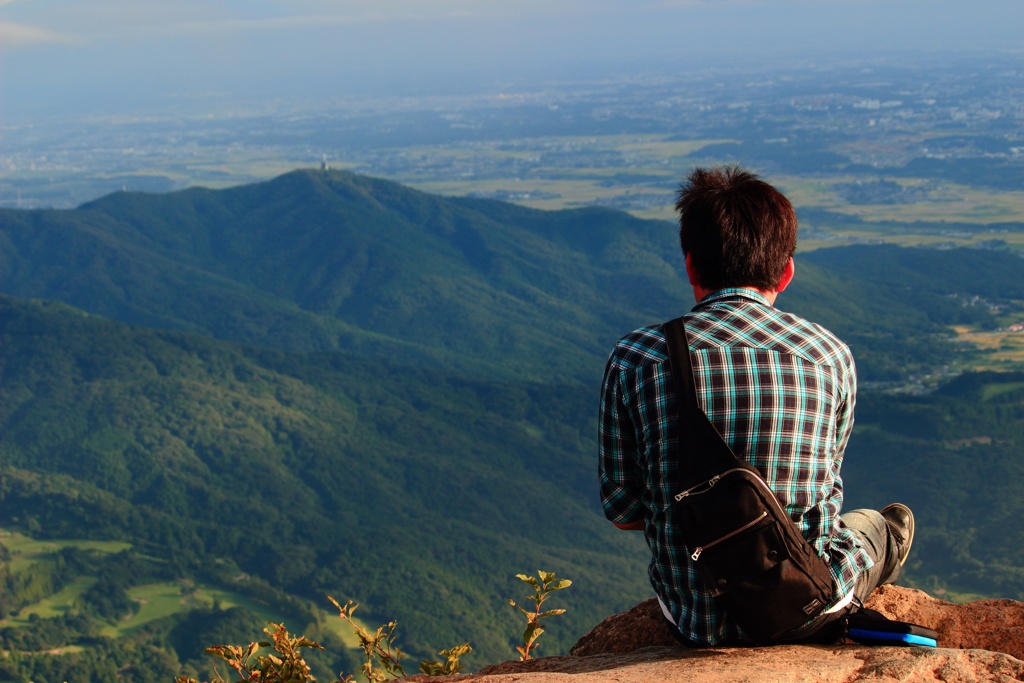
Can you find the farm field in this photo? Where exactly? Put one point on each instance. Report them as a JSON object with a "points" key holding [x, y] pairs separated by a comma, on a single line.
{"points": [[1000, 347], [24, 550], [155, 600], [638, 174]]}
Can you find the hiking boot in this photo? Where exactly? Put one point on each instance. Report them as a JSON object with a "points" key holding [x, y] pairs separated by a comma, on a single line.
{"points": [[901, 523]]}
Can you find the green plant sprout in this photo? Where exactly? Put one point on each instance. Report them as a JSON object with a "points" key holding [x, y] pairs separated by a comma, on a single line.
{"points": [[286, 666], [451, 664], [378, 648], [542, 590]]}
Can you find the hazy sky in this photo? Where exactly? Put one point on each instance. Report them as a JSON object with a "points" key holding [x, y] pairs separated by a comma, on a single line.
{"points": [[106, 54]]}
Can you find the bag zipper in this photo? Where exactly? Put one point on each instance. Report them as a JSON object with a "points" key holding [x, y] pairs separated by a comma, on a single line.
{"points": [[755, 477], [710, 483], [706, 486], [752, 523]]}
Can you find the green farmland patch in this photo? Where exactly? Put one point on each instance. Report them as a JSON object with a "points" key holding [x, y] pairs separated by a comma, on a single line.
{"points": [[992, 390], [17, 542], [24, 551], [59, 603], [153, 601], [160, 600]]}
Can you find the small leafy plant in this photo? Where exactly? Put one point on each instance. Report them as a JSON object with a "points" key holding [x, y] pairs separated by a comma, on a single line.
{"points": [[284, 662], [382, 655], [542, 590], [379, 648], [451, 664], [284, 665]]}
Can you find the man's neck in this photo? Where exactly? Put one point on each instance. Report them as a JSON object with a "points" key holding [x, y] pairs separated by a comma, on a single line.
{"points": [[699, 293]]}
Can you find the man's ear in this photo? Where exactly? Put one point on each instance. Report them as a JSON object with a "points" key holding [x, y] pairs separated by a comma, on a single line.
{"points": [[787, 275], [691, 271]]}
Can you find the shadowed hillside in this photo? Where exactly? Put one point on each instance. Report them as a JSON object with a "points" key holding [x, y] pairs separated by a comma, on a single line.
{"points": [[323, 261], [329, 384], [313, 261], [417, 492]]}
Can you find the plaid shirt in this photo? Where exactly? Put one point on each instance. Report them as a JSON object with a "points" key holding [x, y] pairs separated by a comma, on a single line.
{"points": [[779, 389]]}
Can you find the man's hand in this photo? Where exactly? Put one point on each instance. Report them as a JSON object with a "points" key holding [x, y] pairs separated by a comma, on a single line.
{"points": [[631, 526]]}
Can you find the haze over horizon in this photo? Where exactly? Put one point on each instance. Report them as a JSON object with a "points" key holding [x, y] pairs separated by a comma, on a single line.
{"points": [[60, 58]]}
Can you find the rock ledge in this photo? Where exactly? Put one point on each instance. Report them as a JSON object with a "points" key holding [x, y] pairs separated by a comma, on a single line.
{"points": [[978, 641]]}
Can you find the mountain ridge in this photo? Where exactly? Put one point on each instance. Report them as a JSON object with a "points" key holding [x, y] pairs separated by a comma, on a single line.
{"points": [[313, 473], [414, 456], [314, 261]]}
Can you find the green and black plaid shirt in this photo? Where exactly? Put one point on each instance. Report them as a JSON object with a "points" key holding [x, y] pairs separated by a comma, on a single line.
{"points": [[779, 389]]}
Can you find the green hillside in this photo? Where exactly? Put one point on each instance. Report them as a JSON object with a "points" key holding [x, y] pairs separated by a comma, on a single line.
{"points": [[329, 384], [314, 261], [955, 458], [415, 492], [895, 306]]}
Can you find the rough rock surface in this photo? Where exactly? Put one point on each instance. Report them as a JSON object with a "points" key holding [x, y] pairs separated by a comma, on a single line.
{"points": [[978, 641], [996, 625]]}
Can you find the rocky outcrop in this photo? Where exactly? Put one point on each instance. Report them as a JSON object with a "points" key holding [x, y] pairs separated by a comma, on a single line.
{"points": [[978, 641], [996, 625]]}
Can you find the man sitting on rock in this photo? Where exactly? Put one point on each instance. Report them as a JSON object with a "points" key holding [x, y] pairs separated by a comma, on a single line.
{"points": [[779, 389]]}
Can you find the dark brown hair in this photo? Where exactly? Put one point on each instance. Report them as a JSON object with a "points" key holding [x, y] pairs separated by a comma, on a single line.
{"points": [[740, 230]]}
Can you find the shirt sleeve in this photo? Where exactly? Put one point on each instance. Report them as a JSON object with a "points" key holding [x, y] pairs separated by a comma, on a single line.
{"points": [[842, 540], [844, 418], [843, 429], [621, 480]]}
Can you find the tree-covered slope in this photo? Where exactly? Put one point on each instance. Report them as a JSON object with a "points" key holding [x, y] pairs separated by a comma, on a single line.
{"points": [[956, 458], [450, 443], [411, 490], [322, 261], [416, 492], [313, 261], [895, 306]]}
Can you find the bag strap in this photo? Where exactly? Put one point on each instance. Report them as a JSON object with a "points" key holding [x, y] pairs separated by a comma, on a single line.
{"points": [[682, 367], [707, 450]]}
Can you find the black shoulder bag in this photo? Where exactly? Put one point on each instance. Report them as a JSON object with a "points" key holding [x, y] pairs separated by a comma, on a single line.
{"points": [[745, 546], [747, 549]]}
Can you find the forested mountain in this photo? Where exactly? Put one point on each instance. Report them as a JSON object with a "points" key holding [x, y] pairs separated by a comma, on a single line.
{"points": [[315, 261], [329, 384], [895, 306], [418, 492], [322, 261], [957, 458]]}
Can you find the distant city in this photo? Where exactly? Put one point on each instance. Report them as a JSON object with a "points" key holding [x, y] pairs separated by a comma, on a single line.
{"points": [[621, 142]]}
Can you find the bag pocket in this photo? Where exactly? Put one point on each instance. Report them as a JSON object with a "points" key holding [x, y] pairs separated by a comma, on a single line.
{"points": [[751, 556], [742, 554], [780, 598]]}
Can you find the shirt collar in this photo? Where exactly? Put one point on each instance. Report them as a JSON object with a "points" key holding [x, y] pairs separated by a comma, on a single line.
{"points": [[733, 293]]}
